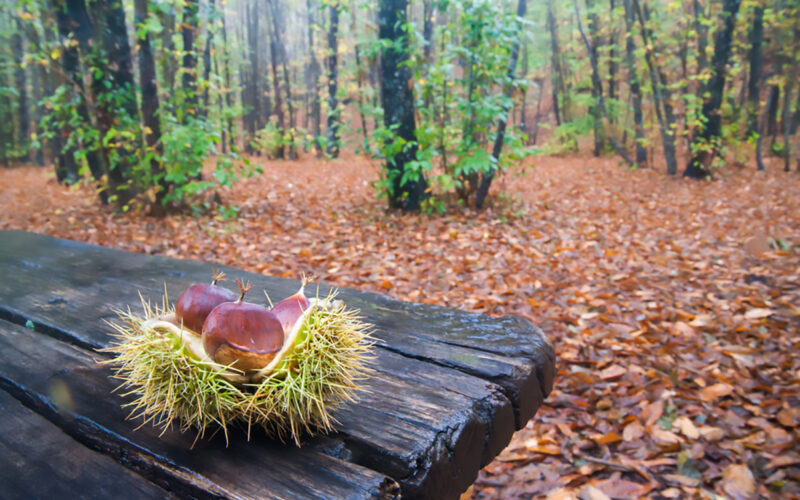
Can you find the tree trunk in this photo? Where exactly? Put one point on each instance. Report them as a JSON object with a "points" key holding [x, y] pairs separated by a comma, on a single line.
{"points": [[486, 181], [21, 84], [705, 147], [314, 88], [189, 79], [278, 33], [661, 96], [276, 86], [773, 98], [228, 91], [168, 49], [398, 105], [73, 22], [612, 56], [333, 105], [756, 37], [150, 105], [523, 125], [701, 32], [635, 86], [597, 85], [791, 66], [555, 58], [40, 82], [360, 85], [207, 58]]}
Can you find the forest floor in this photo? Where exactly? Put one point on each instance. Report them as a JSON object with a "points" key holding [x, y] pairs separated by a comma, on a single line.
{"points": [[673, 305]]}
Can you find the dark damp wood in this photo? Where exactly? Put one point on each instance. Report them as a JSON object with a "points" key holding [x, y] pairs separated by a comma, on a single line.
{"points": [[38, 460], [66, 385], [479, 377], [468, 342]]}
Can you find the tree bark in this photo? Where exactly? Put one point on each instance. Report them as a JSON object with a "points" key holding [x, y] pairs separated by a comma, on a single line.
{"points": [[756, 37], [705, 147], [597, 85], [333, 104], [276, 86], [661, 96], [278, 33], [635, 86], [314, 88], [398, 105], [487, 176], [150, 105], [21, 84], [189, 78], [555, 58], [207, 58]]}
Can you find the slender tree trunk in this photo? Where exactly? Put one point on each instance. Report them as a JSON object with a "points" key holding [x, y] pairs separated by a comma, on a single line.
{"points": [[66, 172], [228, 91], [39, 78], [168, 61], [276, 85], [486, 181], [21, 84], [705, 147], [150, 105], [277, 23], [333, 104], [796, 116], [427, 36], [612, 55], [791, 66], [523, 125], [660, 96], [555, 58], [597, 85], [314, 71], [189, 79], [756, 37], [636, 92], [398, 105], [773, 99], [702, 37], [73, 23], [207, 58], [360, 85]]}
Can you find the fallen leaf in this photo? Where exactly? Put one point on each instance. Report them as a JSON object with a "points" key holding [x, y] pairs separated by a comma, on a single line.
{"points": [[738, 482], [686, 427], [561, 494], [714, 392], [612, 372], [607, 438], [758, 313], [633, 431], [789, 417], [590, 492]]}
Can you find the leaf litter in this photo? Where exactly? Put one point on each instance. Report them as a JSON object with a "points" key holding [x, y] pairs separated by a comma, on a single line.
{"points": [[673, 305]]}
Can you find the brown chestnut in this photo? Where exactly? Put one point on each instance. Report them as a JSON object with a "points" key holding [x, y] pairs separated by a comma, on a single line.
{"points": [[197, 301], [289, 310], [246, 336]]}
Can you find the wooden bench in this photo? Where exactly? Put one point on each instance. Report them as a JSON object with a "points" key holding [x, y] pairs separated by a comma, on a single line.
{"points": [[451, 389]]}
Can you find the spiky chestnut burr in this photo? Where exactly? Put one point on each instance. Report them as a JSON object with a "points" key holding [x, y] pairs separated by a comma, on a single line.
{"points": [[173, 380], [197, 301]]}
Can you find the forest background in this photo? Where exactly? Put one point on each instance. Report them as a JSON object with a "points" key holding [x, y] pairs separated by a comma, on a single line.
{"points": [[225, 118]]}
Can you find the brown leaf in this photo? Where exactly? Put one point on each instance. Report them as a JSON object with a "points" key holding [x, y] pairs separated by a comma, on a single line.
{"points": [[738, 482], [590, 492], [714, 392], [758, 313], [612, 372], [633, 431], [607, 438], [789, 417]]}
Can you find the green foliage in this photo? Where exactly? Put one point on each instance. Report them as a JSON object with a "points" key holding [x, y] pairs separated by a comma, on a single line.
{"points": [[459, 110]]}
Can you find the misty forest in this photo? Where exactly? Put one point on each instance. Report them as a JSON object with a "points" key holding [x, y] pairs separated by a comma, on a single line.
{"points": [[623, 173]]}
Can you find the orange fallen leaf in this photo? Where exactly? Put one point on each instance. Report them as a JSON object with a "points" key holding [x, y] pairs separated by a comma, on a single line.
{"points": [[714, 392], [612, 372], [738, 482], [607, 438]]}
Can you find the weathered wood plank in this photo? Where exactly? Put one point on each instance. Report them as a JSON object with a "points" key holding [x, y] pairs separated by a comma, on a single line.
{"points": [[64, 287], [403, 424], [38, 460], [510, 351], [65, 384]]}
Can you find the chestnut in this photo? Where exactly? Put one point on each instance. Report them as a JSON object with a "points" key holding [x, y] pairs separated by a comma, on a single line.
{"points": [[243, 335], [289, 310], [197, 301]]}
